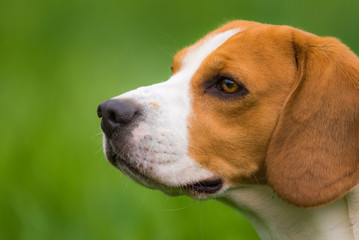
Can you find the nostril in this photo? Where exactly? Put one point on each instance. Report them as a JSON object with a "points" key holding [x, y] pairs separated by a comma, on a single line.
{"points": [[116, 114], [112, 116], [99, 111]]}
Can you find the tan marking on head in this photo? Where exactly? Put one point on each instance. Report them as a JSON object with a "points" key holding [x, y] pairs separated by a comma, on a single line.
{"points": [[234, 133], [177, 60]]}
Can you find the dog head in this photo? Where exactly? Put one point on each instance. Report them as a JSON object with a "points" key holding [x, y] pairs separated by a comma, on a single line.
{"points": [[248, 104]]}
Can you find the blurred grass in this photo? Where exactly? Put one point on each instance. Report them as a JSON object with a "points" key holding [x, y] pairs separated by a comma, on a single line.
{"points": [[59, 59]]}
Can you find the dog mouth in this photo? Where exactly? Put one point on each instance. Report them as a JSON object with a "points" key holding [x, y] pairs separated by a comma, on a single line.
{"points": [[205, 187], [198, 189]]}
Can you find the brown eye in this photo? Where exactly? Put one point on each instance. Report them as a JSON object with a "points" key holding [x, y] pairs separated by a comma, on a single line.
{"points": [[228, 86], [225, 86]]}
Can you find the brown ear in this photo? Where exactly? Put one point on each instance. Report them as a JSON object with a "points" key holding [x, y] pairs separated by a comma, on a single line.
{"points": [[313, 156]]}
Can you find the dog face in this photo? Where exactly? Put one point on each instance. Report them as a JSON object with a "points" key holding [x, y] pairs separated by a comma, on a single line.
{"points": [[214, 124]]}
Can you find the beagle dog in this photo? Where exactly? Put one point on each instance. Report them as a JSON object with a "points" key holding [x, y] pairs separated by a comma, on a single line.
{"points": [[264, 118]]}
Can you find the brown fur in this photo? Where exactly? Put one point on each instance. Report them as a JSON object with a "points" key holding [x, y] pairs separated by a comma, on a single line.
{"points": [[313, 156], [299, 124]]}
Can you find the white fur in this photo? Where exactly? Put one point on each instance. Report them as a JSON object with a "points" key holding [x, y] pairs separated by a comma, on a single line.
{"points": [[275, 219], [353, 208], [160, 140]]}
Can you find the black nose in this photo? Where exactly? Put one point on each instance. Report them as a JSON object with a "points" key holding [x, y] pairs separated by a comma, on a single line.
{"points": [[115, 113]]}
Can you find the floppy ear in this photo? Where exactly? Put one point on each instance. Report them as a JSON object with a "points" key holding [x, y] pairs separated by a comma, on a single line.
{"points": [[313, 156]]}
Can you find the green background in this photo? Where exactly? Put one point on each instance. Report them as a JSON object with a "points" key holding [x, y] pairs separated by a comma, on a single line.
{"points": [[59, 59]]}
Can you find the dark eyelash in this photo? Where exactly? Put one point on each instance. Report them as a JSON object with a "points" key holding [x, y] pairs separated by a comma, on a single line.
{"points": [[213, 87]]}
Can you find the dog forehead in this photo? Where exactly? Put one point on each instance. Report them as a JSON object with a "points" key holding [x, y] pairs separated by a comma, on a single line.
{"points": [[199, 51], [190, 58]]}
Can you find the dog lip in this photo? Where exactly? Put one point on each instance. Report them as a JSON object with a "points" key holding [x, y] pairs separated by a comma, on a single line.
{"points": [[206, 186], [131, 171], [112, 158], [115, 159]]}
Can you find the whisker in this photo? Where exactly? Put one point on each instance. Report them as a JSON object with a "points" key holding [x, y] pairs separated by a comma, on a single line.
{"points": [[144, 199], [166, 51], [170, 37], [190, 145], [255, 177], [98, 151], [96, 134], [125, 186], [176, 209]]}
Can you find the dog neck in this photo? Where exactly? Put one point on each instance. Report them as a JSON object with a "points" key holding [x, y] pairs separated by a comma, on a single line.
{"points": [[275, 219]]}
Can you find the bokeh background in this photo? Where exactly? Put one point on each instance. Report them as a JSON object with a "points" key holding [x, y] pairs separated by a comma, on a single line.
{"points": [[59, 59]]}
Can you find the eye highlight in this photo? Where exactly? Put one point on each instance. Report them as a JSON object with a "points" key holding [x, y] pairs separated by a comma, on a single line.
{"points": [[228, 86]]}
